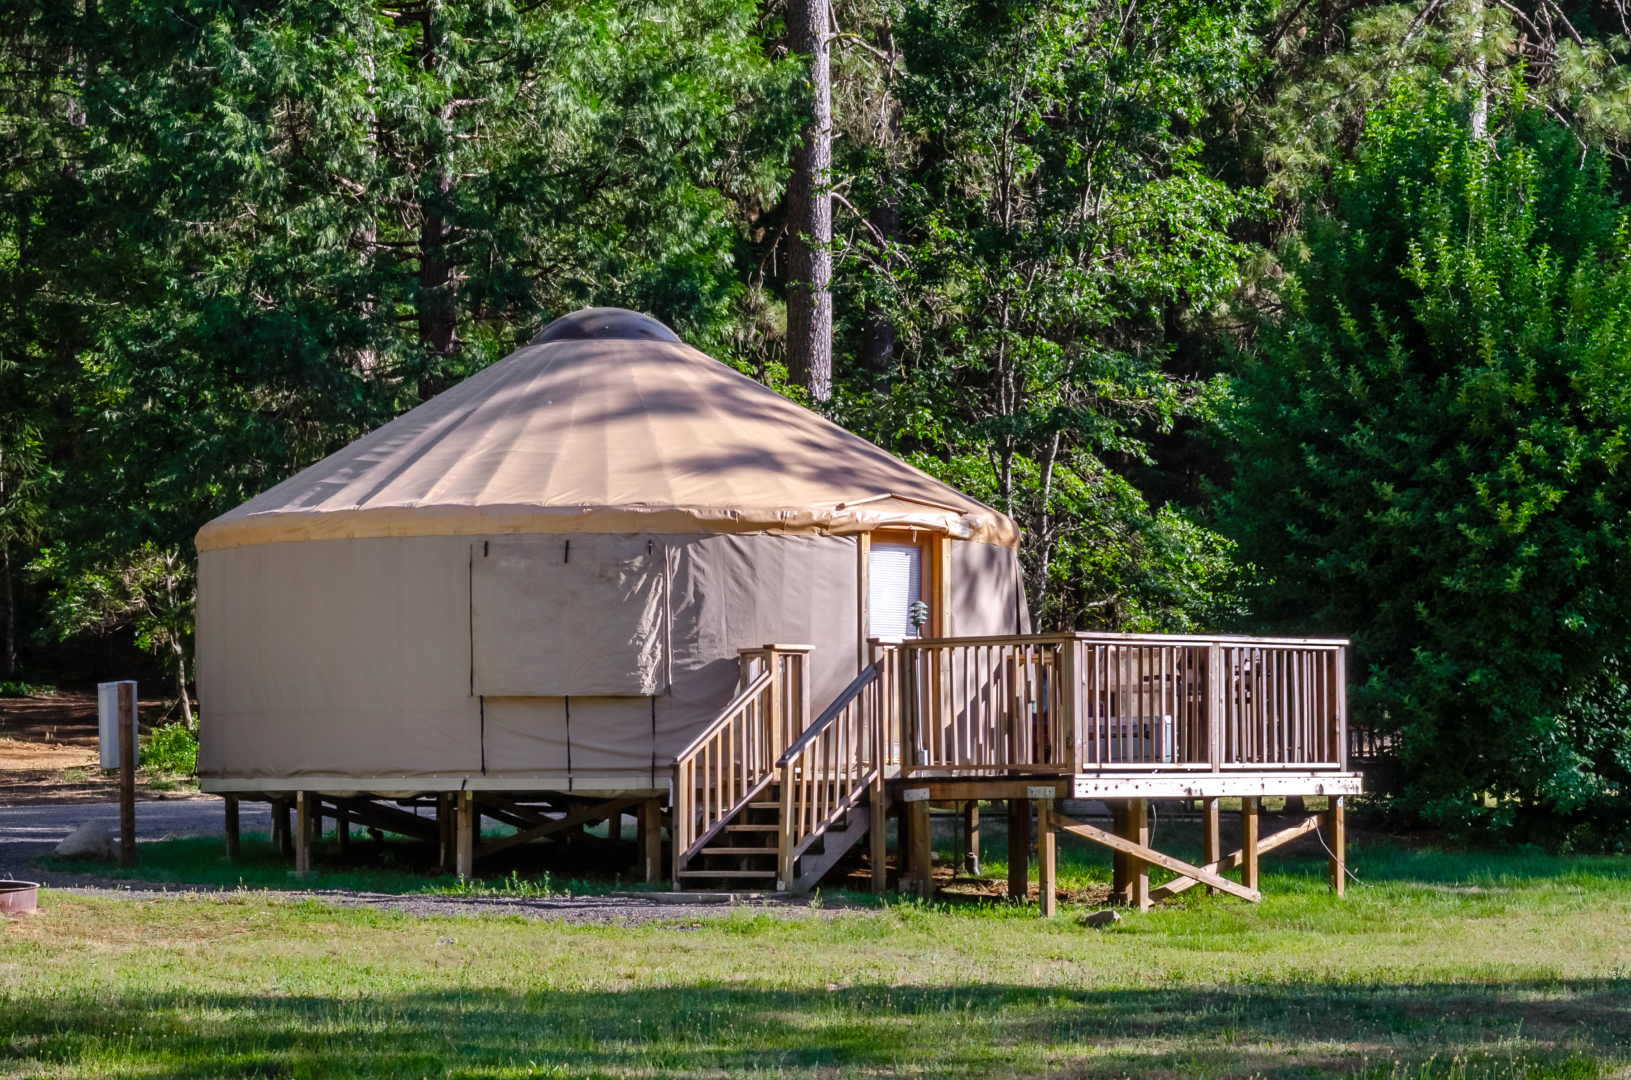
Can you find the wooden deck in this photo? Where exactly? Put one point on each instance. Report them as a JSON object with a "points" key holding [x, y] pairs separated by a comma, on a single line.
{"points": [[1032, 720], [774, 792]]}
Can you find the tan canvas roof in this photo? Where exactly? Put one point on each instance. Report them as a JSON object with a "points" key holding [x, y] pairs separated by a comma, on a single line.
{"points": [[606, 435]]}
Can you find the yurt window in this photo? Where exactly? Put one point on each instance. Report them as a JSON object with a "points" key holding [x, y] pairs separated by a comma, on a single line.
{"points": [[895, 579], [554, 616]]}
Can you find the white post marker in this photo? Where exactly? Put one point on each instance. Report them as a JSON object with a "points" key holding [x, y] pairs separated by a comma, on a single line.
{"points": [[107, 712]]}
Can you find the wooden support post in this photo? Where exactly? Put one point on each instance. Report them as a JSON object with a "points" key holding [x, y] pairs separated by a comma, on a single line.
{"points": [[971, 837], [302, 832], [905, 851], [1138, 871], [1337, 830], [922, 848], [233, 834], [464, 860], [127, 774], [444, 832], [651, 833], [1211, 834], [1120, 889], [1249, 820], [1046, 849], [342, 829], [640, 841], [1019, 849], [878, 838], [282, 837]]}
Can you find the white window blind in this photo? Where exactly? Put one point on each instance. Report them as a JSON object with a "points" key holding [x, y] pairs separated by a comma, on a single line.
{"points": [[896, 579]]}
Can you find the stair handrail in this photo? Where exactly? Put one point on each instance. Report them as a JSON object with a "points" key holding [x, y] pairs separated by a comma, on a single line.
{"points": [[724, 775], [867, 676], [747, 693], [831, 766]]}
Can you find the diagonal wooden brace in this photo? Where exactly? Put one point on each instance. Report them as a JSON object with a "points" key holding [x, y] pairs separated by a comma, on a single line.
{"points": [[379, 816], [528, 814], [1156, 858], [1229, 862], [570, 821]]}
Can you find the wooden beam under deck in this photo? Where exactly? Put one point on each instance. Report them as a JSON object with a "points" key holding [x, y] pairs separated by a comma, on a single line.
{"points": [[1252, 849], [1150, 855], [595, 812], [985, 789]]}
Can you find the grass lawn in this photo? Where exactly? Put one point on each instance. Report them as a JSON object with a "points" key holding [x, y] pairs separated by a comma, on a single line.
{"points": [[1450, 966]]}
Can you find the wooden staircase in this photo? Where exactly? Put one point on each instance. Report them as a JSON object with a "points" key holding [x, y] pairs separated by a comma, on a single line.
{"points": [[746, 852], [764, 801]]}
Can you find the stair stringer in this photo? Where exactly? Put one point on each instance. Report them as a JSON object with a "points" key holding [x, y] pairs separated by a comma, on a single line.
{"points": [[835, 842]]}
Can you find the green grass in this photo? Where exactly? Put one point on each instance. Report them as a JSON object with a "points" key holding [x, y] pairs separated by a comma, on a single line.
{"points": [[1453, 965]]}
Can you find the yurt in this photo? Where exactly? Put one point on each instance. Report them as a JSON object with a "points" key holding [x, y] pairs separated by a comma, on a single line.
{"points": [[540, 579]]}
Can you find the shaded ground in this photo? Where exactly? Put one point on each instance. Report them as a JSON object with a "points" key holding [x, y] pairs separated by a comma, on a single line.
{"points": [[48, 752], [1455, 967]]}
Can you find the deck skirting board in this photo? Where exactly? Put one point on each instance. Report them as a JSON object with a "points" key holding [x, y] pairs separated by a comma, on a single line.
{"points": [[393, 787], [1215, 785]]}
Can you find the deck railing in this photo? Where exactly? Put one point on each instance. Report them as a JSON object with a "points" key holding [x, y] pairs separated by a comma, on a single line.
{"points": [[1065, 703], [983, 704], [735, 757]]}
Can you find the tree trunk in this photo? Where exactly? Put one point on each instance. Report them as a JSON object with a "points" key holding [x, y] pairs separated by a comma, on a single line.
{"points": [[878, 335], [181, 689], [809, 262], [435, 301], [11, 613]]}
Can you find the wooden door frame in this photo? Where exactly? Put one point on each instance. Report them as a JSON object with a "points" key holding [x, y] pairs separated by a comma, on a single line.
{"points": [[936, 584]]}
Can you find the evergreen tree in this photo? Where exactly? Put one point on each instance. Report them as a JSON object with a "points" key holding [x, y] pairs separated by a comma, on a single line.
{"points": [[1431, 445], [246, 233]]}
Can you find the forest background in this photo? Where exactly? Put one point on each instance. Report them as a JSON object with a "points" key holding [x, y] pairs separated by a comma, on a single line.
{"points": [[1292, 316]]}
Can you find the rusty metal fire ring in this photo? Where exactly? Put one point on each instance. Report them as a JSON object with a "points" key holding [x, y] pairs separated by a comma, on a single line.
{"points": [[17, 897]]}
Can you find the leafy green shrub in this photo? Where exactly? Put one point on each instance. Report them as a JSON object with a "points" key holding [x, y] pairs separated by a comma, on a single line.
{"points": [[1433, 460], [18, 688], [172, 748]]}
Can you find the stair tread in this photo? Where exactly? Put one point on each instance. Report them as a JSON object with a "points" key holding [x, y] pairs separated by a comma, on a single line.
{"points": [[751, 828], [728, 873], [737, 851]]}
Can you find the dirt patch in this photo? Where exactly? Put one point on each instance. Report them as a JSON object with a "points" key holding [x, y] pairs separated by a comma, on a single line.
{"points": [[48, 752]]}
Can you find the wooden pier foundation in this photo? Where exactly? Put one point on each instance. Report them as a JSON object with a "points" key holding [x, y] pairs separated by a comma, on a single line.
{"points": [[233, 835], [1019, 849], [1249, 805], [1336, 839]]}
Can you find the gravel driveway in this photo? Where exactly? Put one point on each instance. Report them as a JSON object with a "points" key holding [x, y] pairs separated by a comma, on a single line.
{"points": [[27, 832]]}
